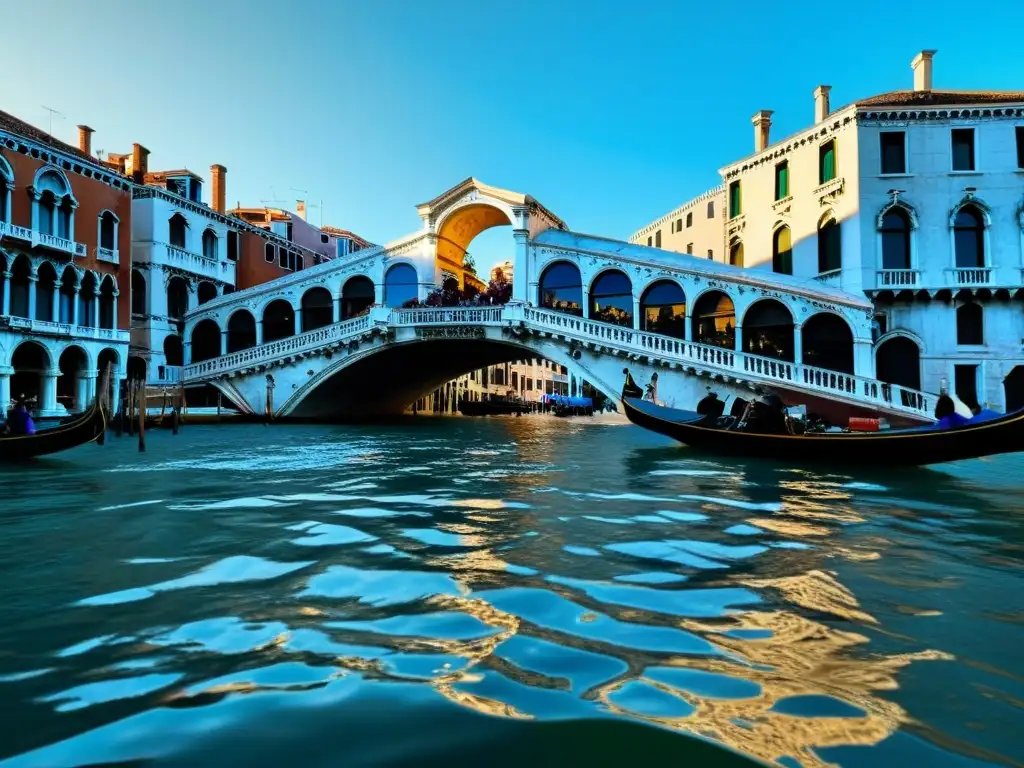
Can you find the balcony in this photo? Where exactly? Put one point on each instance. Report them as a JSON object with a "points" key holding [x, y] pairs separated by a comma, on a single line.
{"points": [[40, 239], [968, 277], [830, 191], [168, 374], [62, 330], [179, 258], [109, 255], [897, 279]]}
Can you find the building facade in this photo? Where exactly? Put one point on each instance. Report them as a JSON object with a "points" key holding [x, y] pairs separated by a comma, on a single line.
{"points": [[913, 197], [65, 240]]}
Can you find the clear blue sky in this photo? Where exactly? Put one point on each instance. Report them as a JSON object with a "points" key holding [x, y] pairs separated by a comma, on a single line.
{"points": [[609, 113]]}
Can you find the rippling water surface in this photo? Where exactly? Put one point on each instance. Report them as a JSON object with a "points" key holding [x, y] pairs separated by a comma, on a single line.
{"points": [[499, 592]]}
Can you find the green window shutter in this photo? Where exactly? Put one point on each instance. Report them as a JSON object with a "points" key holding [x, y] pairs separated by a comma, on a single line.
{"points": [[782, 182], [828, 163], [735, 201]]}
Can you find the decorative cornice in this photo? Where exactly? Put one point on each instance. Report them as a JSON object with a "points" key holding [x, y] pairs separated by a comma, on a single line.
{"points": [[63, 160], [830, 191], [867, 116]]}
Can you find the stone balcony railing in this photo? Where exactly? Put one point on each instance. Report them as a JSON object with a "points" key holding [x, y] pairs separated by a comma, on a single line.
{"points": [[967, 277], [897, 278], [49, 328], [109, 255], [37, 239], [187, 261]]}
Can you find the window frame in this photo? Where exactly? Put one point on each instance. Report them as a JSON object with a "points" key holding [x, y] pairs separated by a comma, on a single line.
{"points": [[881, 153], [689, 219], [981, 327], [974, 150], [783, 166], [822, 154], [735, 211], [1018, 133]]}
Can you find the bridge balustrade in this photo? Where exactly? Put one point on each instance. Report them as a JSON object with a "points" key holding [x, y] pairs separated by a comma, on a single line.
{"points": [[447, 316]]}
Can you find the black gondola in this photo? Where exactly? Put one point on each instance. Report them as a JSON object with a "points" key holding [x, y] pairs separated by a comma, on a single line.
{"points": [[733, 435], [87, 427]]}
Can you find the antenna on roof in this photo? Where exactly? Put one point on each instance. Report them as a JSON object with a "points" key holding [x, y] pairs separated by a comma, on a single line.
{"points": [[52, 113]]}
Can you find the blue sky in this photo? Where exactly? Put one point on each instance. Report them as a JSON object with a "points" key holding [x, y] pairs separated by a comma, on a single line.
{"points": [[611, 114]]}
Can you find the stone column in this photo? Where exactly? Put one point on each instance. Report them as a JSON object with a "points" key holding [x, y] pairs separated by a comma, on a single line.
{"points": [[336, 310], [55, 314], [81, 392], [863, 358], [186, 351], [5, 387], [298, 320], [96, 309], [74, 306], [378, 293], [737, 339], [90, 378], [521, 270], [7, 293], [116, 381], [259, 333], [688, 327], [33, 285], [114, 310], [798, 344], [48, 391], [637, 325]]}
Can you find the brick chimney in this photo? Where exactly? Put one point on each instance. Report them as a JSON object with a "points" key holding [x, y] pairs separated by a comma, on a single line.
{"points": [[762, 128], [300, 209], [218, 180], [821, 106], [85, 139], [922, 66], [140, 162]]}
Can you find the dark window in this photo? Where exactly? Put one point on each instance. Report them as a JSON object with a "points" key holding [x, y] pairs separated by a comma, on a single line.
{"points": [[561, 288], [689, 219], [268, 252], [663, 309], [232, 245], [324, 239], [176, 230], [711, 209], [969, 237], [711, 254], [657, 239], [611, 299], [107, 226], [965, 378], [782, 251], [963, 149], [830, 247], [782, 180], [969, 326], [894, 151], [736, 254], [1020, 146], [679, 225], [401, 285], [648, 241], [282, 258], [735, 200], [896, 239], [689, 248], [288, 231], [826, 162]]}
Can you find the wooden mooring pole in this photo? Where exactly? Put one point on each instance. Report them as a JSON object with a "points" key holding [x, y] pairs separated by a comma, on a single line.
{"points": [[142, 418]]}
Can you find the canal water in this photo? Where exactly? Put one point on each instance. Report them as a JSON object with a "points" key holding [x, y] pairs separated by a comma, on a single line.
{"points": [[503, 591]]}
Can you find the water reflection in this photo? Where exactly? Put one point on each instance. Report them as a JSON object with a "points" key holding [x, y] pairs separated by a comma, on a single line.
{"points": [[525, 569]]}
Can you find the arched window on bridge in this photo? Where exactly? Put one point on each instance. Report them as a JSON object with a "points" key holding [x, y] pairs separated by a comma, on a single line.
{"points": [[663, 309], [357, 296], [241, 330], [714, 320], [205, 341], [561, 288], [611, 298], [898, 361], [828, 342], [768, 330], [317, 308], [782, 252], [278, 321], [207, 291], [173, 353], [401, 285]]}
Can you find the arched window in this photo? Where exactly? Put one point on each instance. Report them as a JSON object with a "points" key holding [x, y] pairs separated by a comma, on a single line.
{"points": [[663, 309], [827, 162], [207, 291], [71, 384], [269, 254], [611, 298], [138, 293], [970, 325], [714, 320], [898, 361], [401, 285], [768, 330], [106, 318], [782, 251], [173, 353], [209, 244], [278, 321], [19, 286], [828, 343], [969, 237], [48, 213], [55, 205], [136, 368], [46, 281], [830, 245], [87, 295], [205, 341], [177, 298], [108, 231], [317, 309], [241, 331], [561, 288], [736, 253], [357, 296], [68, 296], [895, 239], [30, 361], [177, 227], [6, 186]]}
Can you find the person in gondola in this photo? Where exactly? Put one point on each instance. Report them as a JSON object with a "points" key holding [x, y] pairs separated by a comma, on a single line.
{"points": [[19, 420], [710, 406], [769, 416], [946, 415], [651, 392]]}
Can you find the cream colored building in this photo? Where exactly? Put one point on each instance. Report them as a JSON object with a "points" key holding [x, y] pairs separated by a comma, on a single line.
{"points": [[913, 197]]}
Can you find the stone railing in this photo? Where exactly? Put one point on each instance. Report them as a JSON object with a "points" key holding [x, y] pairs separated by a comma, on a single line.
{"points": [[741, 364], [968, 276], [897, 278], [447, 316], [48, 328], [276, 350], [40, 238], [109, 255]]}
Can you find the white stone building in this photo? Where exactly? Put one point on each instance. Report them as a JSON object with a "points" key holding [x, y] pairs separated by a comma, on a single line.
{"points": [[913, 197]]}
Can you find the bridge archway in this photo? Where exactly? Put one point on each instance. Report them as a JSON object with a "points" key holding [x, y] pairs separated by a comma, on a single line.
{"points": [[278, 321], [768, 330], [663, 309], [241, 331], [898, 361], [714, 320], [357, 296], [205, 341], [317, 309], [401, 285], [457, 229], [611, 298], [828, 342], [561, 288]]}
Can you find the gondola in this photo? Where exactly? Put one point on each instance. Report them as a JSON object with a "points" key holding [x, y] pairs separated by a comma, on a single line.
{"points": [[732, 435], [89, 426]]}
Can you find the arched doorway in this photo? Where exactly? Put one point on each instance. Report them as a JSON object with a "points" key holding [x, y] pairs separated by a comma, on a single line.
{"points": [[1013, 389], [107, 362], [663, 309], [45, 285], [136, 368], [561, 288], [714, 320], [72, 386], [107, 319], [357, 296], [401, 285], [177, 298], [205, 341], [174, 354], [611, 298], [278, 321], [87, 295], [241, 331], [828, 343], [898, 361], [768, 330], [317, 309], [30, 362], [19, 283], [68, 297], [138, 293], [207, 291]]}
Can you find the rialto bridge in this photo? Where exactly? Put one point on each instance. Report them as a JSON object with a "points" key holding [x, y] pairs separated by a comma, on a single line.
{"points": [[340, 340]]}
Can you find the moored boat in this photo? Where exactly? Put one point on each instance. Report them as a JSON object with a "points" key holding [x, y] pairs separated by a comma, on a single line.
{"points": [[774, 435]]}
